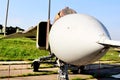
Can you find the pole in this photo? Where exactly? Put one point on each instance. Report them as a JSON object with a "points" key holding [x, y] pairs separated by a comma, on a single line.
{"points": [[48, 25], [6, 17], [49, 7]]}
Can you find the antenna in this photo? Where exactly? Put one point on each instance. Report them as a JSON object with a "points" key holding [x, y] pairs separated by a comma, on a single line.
{"points": [[6, 18], [48, 25]]}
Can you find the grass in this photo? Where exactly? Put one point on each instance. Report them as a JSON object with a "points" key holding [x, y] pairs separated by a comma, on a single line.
{"points": [[1, 36], [25, 49], [19, 49], [77, 79], [83, 78], [111, 55]]}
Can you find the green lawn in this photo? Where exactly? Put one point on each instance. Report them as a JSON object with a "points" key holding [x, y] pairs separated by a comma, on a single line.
{"points": [[25, 49], [19, 49], [1, 35], [111, 55]]}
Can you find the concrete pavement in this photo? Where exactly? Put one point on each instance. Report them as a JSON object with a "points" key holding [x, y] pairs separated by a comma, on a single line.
{"points": [[17, 69]]}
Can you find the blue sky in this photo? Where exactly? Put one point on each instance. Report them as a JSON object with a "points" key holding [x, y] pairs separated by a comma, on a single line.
{"points": [[27, 13]]}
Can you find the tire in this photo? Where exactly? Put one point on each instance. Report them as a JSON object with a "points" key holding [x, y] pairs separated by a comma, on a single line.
{"points": [[35, 66]]}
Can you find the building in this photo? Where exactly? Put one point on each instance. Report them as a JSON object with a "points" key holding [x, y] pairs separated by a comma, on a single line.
{"points": [[10, 30], [1, 29]]}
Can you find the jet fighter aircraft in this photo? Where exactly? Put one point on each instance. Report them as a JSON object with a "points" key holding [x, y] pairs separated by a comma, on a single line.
{"points": [[74, 39]]}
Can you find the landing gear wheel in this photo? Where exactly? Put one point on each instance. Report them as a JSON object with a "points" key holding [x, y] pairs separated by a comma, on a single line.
{"points": [[79, 70], [76, 71], [63, 70], [35, 65], [82, 68]]}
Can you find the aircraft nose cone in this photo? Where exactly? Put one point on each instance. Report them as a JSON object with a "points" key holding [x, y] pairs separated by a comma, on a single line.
{"points": [[74, 38]]}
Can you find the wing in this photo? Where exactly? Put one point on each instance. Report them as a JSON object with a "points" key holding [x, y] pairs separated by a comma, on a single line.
{"points": [[109, 43], [30, 33]]}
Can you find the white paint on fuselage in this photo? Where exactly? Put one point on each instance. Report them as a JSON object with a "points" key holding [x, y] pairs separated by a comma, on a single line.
{"points": [[73, 39]]}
